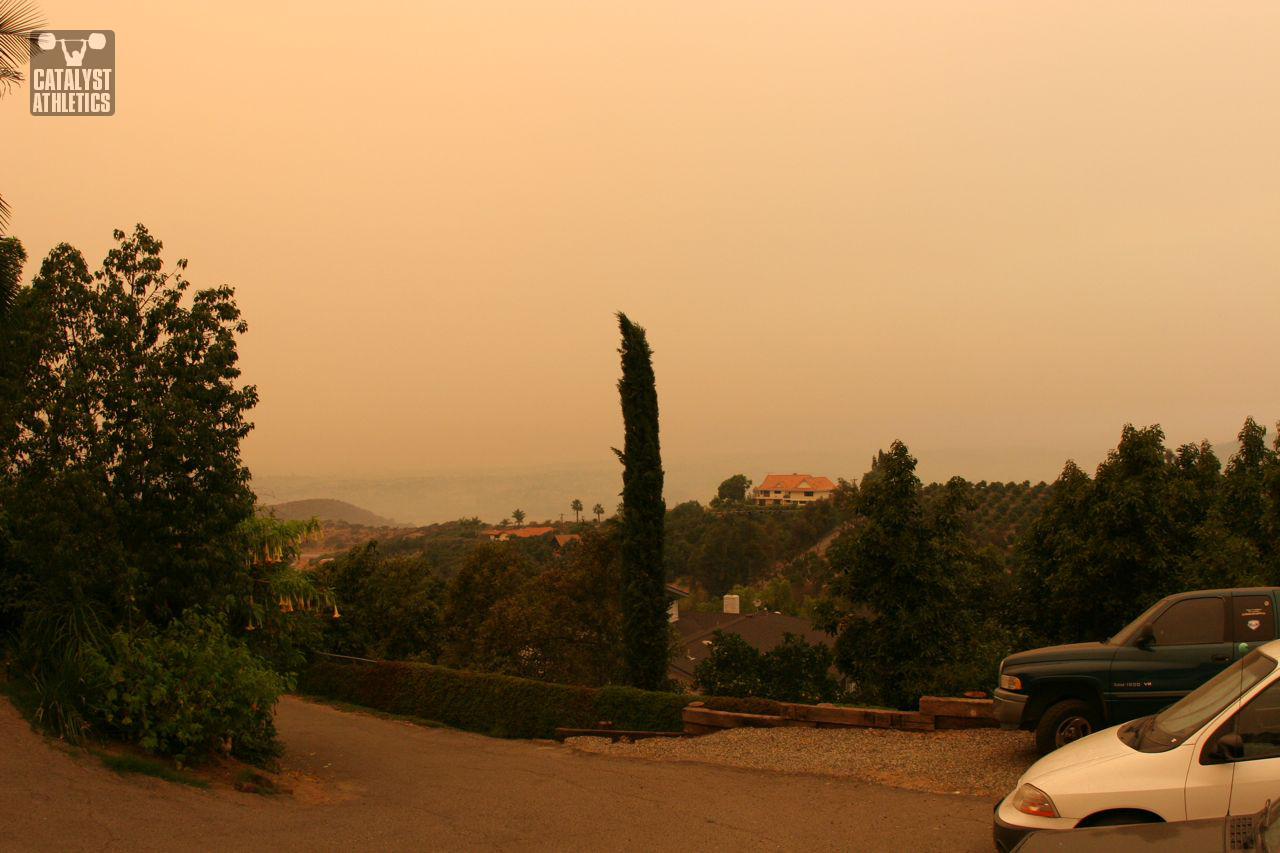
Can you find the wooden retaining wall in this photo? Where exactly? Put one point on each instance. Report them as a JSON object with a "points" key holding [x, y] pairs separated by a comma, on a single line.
{"points": [[935, 713]]}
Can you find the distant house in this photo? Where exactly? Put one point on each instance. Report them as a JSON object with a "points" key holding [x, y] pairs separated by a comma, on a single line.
{"points": [[563, 539], [499, 534], [762, 631], [791, 490]]}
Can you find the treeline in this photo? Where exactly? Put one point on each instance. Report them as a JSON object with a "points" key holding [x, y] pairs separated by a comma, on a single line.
{"points": [[718, 548], [1150, 522], [920, 604], [924, 588], [503, 611]]}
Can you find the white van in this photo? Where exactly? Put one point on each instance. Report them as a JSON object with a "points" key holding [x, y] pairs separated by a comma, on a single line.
{"points": [[1214, 752]]}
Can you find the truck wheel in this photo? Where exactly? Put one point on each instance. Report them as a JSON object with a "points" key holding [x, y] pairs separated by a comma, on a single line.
{"points": [[1063, 722]]}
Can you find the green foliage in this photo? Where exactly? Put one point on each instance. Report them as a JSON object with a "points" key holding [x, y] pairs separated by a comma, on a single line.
{"points": [[499, 705], [912, 592], [126, 503], [12, 259], [148, 767], [1150, 523], [281, 609], [794, 671], [122, 477], [492, 573], [390, 606], [798, 671], [187, 691], [733, 490], [563, 623], [644, 618], [771, 596], [503, 705], [718, 549], [732, 668]]}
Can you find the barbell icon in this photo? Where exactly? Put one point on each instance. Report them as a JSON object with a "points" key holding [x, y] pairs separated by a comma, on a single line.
{"points": [[48, 41]]}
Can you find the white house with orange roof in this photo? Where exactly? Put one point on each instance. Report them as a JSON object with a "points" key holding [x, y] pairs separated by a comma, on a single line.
{"points": [[791, 490]]}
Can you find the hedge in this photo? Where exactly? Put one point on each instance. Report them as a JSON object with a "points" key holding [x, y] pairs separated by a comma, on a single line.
{"points": [[502, 705]]}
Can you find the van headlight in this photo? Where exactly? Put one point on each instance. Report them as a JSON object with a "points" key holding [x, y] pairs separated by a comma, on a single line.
{"points": [[1010, 682], [1029, 799]]}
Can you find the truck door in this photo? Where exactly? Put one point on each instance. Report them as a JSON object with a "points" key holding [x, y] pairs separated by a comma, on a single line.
{"points": [[1190, 646], [1253, 622]]}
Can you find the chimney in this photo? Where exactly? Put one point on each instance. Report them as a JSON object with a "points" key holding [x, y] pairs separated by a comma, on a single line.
{"points": [[731, 604]]}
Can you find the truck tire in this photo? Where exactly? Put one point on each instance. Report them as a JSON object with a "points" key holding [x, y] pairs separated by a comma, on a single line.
{"points": [[1063, 722]]}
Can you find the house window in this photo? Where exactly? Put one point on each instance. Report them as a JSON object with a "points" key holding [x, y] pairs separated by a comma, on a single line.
{"points": [[808, 494]]}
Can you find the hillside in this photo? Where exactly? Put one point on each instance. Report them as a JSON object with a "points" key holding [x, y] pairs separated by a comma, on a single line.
{"points": [[327, 509]]}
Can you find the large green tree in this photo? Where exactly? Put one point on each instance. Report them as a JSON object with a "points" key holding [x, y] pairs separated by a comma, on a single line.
{"points": [[733, 490], [125, 501], [562, 624], [912, 588], [122, 466], [644, 616]]}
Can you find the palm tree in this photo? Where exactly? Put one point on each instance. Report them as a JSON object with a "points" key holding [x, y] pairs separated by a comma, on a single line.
{"points": [[518, 515], [598, 509], [18, 20], [576, 506]]}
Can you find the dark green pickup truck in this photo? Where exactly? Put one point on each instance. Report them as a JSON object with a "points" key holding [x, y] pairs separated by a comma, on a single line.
{"points": [[1066, 692]]}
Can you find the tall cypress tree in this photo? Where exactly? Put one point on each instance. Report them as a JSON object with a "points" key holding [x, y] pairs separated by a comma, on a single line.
{"points": [[644, 617]]}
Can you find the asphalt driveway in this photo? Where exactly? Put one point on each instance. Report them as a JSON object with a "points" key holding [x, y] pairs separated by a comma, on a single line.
{"points": [[364, 783]]}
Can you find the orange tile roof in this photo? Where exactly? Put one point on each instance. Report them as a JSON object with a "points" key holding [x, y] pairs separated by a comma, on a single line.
{"points": [[797, 482]]}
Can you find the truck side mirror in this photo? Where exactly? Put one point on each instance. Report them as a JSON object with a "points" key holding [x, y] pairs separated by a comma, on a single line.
{"points": [[1228, 748], [1146, 636]]}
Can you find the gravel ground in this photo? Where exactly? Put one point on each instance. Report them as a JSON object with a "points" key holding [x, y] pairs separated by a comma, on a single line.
{"points": [[982, 762]]}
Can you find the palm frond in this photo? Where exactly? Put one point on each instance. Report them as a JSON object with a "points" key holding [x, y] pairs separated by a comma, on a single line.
{"points": [[18, 21], [9, 77], [5, 211]]}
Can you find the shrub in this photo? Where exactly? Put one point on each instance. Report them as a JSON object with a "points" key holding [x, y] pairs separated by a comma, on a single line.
{"points": [[503, 705], [732, 668], [187, 691], [795, 671]]}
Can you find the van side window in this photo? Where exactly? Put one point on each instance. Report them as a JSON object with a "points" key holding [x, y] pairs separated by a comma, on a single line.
{"points": [[1252, 618], [1258, 724], [1192, 621]]}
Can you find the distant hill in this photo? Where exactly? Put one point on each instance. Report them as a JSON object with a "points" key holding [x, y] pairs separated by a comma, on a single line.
{"points": [[326, 509]]}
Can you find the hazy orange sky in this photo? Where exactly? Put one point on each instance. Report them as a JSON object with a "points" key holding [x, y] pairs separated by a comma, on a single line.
{"points": [[996, 230]]}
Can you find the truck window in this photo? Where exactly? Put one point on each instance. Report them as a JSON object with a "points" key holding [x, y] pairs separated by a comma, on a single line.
{"points": [[1193, 621], [1253, 618]]}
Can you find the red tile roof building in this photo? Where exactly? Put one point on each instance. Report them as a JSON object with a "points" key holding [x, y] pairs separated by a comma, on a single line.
{"points": [[791, 490], [502, 534]]}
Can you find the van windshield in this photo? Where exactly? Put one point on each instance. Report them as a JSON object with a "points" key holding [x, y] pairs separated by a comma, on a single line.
{"points": [[1184, 718]]}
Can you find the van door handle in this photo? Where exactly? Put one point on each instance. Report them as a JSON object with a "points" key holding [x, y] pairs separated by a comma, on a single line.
{"points": [[1220, 658]]}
